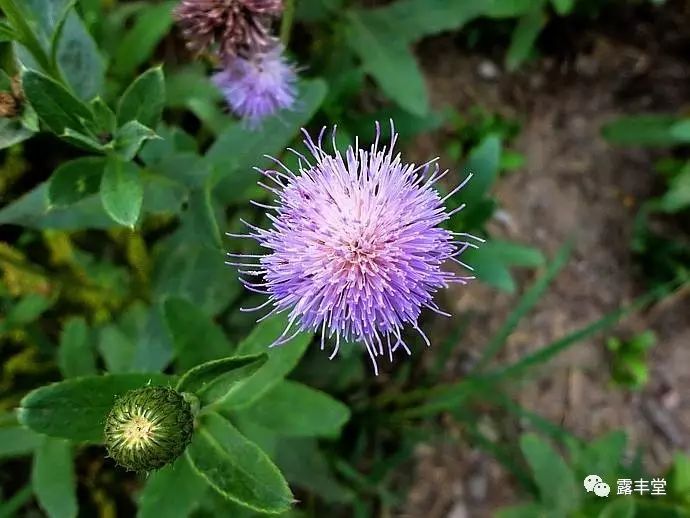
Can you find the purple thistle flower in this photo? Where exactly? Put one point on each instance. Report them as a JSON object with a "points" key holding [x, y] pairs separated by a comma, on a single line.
{"points": [[355, 249], [259, 86]]}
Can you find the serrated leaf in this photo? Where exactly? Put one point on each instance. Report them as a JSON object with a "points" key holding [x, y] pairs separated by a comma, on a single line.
{"points": [[53, 479], [388, 59], [197, 339], [55, 106], [75, 355], [171, 492], [214, 380], [76, 409], [75, 180], [236, 468], [129, 139], [319, 416], [144, 99], [122, 192]]}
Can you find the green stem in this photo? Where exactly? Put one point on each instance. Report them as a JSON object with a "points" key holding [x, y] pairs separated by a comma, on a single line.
{"points": [[288, 20]]}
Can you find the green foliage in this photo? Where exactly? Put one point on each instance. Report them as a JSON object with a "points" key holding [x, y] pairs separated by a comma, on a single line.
{"points": [[113, 277], [53, 478], [236, 468], [629, 359]]}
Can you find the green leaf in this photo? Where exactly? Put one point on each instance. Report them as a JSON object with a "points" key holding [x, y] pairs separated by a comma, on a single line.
{"points": [[563, 7], [415, 19], [680, 481], [25, 311], [75, 355], [137, 45], [17, 440], [76, 408], [555, 480], [319, 415], [171, 492], [492, 262], [643, 130], [75, 180], [388, 59], [32, 210], [214, 380], [237, 150], [677, 197], [620, 508], [202, 218], [681, 130], [602, 456], [187, 269], [525, 34], [281, 360], [508, 8], [144, 99], [129, 139], [303, 464], [116, 348], [79, 59], [196, 338], [236, 468], [55, 106], [483, 163], [82, 141], [122, 192], [12, 132], [53, 480], [103, 117]]}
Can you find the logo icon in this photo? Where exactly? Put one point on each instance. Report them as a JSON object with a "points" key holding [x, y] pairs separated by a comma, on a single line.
{"points": [[591, 481], [602, 489], [596, 484]]}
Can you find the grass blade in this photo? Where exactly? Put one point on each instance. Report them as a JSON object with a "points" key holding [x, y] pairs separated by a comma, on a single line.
{"points": [[525, 305]]}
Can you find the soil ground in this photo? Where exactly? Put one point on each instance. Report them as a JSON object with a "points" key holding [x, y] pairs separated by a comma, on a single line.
{"points": [[573, 183]]}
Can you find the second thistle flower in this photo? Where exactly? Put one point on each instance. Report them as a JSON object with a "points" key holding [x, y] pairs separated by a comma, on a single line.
{"points": [[258, 86]]}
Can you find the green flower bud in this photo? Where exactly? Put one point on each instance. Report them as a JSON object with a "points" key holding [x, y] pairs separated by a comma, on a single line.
{"points": [[148, 428]]}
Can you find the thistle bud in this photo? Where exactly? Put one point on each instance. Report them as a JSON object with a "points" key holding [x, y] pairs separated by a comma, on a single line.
{"points": [[148, 428]]}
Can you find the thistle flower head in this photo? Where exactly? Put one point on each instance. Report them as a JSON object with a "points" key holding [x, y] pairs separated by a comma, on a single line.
{"points": [[148, 428], [259, 86], [237, 27], [355, 249]]}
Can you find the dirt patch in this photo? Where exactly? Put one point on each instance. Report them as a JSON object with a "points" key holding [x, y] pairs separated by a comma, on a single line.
{"points": [[574, 184]]}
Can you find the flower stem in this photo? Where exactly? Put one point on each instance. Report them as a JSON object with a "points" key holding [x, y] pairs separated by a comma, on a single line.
{"points": [[286, 24]]}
